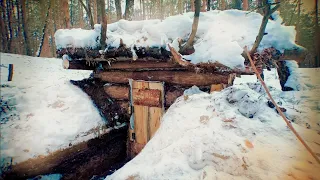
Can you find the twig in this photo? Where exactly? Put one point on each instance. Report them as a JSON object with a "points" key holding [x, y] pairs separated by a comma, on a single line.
{"points": [[279, 110]]}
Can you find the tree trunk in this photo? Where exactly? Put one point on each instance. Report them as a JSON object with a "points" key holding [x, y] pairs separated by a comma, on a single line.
{"points": [[245, 5], [25, 27], [223, 5], [10, 19], [237, 4], [118, 9], [204, 6], [96, 5], [44, 31], [129, 9], [88, 11], [189, 44], [192, 2], [65, 9], [4, 28], [103, 16], [317, 39], [267, 14]]}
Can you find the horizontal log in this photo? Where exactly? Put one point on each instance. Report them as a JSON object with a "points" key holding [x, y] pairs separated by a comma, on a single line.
{"points": [[183, 78], [117, 92], [121, 94], [141, 65], [146, 97]]}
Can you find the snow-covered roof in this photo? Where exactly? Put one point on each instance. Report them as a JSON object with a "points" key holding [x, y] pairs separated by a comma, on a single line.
{"points": [[221, 35]]}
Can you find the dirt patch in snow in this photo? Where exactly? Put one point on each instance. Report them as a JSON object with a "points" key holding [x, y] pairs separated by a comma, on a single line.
{"points": [[107, 106], [99, 156]]}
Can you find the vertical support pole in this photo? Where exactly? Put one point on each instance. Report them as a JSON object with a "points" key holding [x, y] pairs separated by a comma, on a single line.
{"points": [[10, 75]]}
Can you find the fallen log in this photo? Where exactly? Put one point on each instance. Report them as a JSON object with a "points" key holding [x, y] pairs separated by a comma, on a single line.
{"points": [[183, 78], [96, 156]]}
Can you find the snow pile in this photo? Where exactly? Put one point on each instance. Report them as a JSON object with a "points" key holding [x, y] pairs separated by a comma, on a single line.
{"points": [[221, 35], [298, 80], [208, 137], [41, 111]]}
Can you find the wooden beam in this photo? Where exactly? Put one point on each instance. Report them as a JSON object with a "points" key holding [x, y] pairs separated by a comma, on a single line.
{"points": [[146, 97], [142, 65], [183, 78], [117, 92]]}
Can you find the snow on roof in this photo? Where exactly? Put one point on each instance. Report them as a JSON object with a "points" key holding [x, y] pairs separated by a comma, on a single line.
{"points": [[221, 35], [231, 134]]}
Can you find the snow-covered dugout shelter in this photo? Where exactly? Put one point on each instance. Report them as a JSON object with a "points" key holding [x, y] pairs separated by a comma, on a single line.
{"points": [[149, 51]]}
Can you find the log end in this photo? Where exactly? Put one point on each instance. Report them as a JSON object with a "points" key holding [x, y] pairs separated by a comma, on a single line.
{"points": [[65, 64]]}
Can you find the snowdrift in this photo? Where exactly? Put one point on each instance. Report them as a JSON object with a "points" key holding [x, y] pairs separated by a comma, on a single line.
{"points": [[231, 134], [41, 111], [221, 35]]}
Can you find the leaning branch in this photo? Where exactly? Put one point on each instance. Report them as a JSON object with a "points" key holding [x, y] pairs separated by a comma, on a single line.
{"points": [[279, 110], [267, 14]]}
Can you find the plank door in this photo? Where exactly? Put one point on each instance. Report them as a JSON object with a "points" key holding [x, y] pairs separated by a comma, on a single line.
{"points": [[148, 108]]}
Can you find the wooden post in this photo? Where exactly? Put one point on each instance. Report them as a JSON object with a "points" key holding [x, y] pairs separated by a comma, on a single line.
{"points": [[10, 75]]}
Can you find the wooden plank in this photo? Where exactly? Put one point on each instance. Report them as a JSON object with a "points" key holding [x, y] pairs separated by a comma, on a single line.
{"points": [[183, 78], [147, 97], [155, 113], [216, 87], [141, 117], [140, 65]]}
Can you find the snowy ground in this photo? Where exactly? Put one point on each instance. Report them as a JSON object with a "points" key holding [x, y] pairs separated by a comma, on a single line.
{"points": [[40, 110], [234, 134], [221, 35]]}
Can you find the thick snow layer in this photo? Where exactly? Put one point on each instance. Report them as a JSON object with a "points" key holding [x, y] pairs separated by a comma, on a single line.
{"points": [[41, 111], [298, 80], [209, 136], [221, 35]]}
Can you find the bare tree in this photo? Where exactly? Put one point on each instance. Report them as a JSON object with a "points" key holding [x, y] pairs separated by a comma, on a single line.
{"points": [[25, 27], [44, 31], [204, 6], [129, 9], [88, 11], [188, 46], [317, 41], [102, 12], [267, 13], [65, 9], [245, 5], [4, 27], [118, 9]]}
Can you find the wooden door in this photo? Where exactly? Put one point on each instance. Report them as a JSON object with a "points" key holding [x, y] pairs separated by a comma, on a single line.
{"points": [[147, 99]]}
